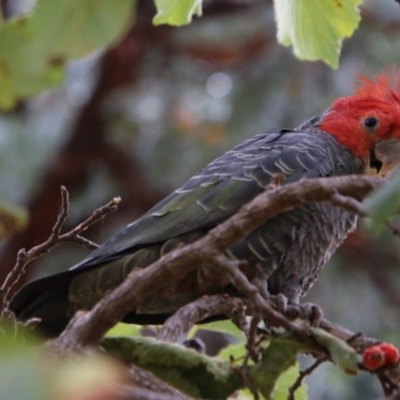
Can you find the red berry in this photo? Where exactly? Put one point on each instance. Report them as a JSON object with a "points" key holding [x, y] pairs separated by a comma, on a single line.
{"points": [[391, 353], [373, 358]]}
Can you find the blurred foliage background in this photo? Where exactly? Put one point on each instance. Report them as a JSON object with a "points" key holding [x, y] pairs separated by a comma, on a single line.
{"points": [[138, 119]]}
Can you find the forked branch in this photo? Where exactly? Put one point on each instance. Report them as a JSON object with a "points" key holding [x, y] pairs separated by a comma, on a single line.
{"points": [[88, 328], [55, 239]]}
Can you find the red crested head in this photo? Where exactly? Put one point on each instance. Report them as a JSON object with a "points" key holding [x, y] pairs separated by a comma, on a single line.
{"points": [[368, 117]]}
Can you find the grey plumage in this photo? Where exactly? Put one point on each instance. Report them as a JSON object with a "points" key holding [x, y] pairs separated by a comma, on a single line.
{"points": [[286, 253]]}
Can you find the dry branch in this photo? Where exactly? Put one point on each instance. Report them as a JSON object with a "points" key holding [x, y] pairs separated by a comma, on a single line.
{"points": [[88, 328], [148, 387], [137, 393], [199, 310], [55, 239], [393, 228]]}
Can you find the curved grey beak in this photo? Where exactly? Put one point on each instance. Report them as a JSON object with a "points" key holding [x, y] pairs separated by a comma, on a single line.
{"points": [[385, 157]]}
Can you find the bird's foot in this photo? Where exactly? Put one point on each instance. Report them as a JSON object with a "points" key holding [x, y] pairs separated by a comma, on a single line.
{"points": [[294, 310], [280, 303], [313, 313], [308, 311], [291, 308]]}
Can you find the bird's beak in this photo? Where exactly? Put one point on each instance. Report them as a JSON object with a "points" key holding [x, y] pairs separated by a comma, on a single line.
{"points": [[384, 157]]}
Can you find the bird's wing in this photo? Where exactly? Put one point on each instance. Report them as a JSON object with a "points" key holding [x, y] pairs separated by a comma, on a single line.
{"points": [[220, 189], [205, 200]]}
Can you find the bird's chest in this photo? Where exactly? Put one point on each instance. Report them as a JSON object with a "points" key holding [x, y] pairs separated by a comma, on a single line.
{"points": [[292, 248]]}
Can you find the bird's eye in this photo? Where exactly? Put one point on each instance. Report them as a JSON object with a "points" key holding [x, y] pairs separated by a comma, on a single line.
{"points": [[371, 123]]}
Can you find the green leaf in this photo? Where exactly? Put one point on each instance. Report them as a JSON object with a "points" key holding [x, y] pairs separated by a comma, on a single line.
{"points": [[277, 358], [122, 329], [282, 350], [316, 29], [243, 394], [19, 358], [235, 351], [194, 374], [176, 12], [35, 48], [286, 381], [26, 373], [384, 202], [91, 24], [12, 218], [343, 355]]}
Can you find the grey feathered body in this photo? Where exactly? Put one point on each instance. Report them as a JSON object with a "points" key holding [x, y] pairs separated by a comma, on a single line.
{"points": [[286, 253]]}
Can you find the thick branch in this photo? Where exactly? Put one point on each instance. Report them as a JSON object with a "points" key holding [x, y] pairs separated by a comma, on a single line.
{"points": [[137, 393], [199, 310], [88, 328], [146, 386]]}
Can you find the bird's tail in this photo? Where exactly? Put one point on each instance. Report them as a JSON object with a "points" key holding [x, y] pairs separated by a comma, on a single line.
{"points": [[46, 299]]}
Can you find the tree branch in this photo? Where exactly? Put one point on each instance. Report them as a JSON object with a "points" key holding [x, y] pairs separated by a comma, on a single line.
{"points": [[199, 310], [88, 328], [88, 141], [302, 375], [55, 239], [148, 387]]}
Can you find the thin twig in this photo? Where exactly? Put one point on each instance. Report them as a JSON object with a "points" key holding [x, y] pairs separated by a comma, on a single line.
{"points": [[393, 227], [96, 216], [82, 241], [238, 316], [251, 345], [389, 387], [55, 239], [62, 216], [243, 374], [302, 375]]}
